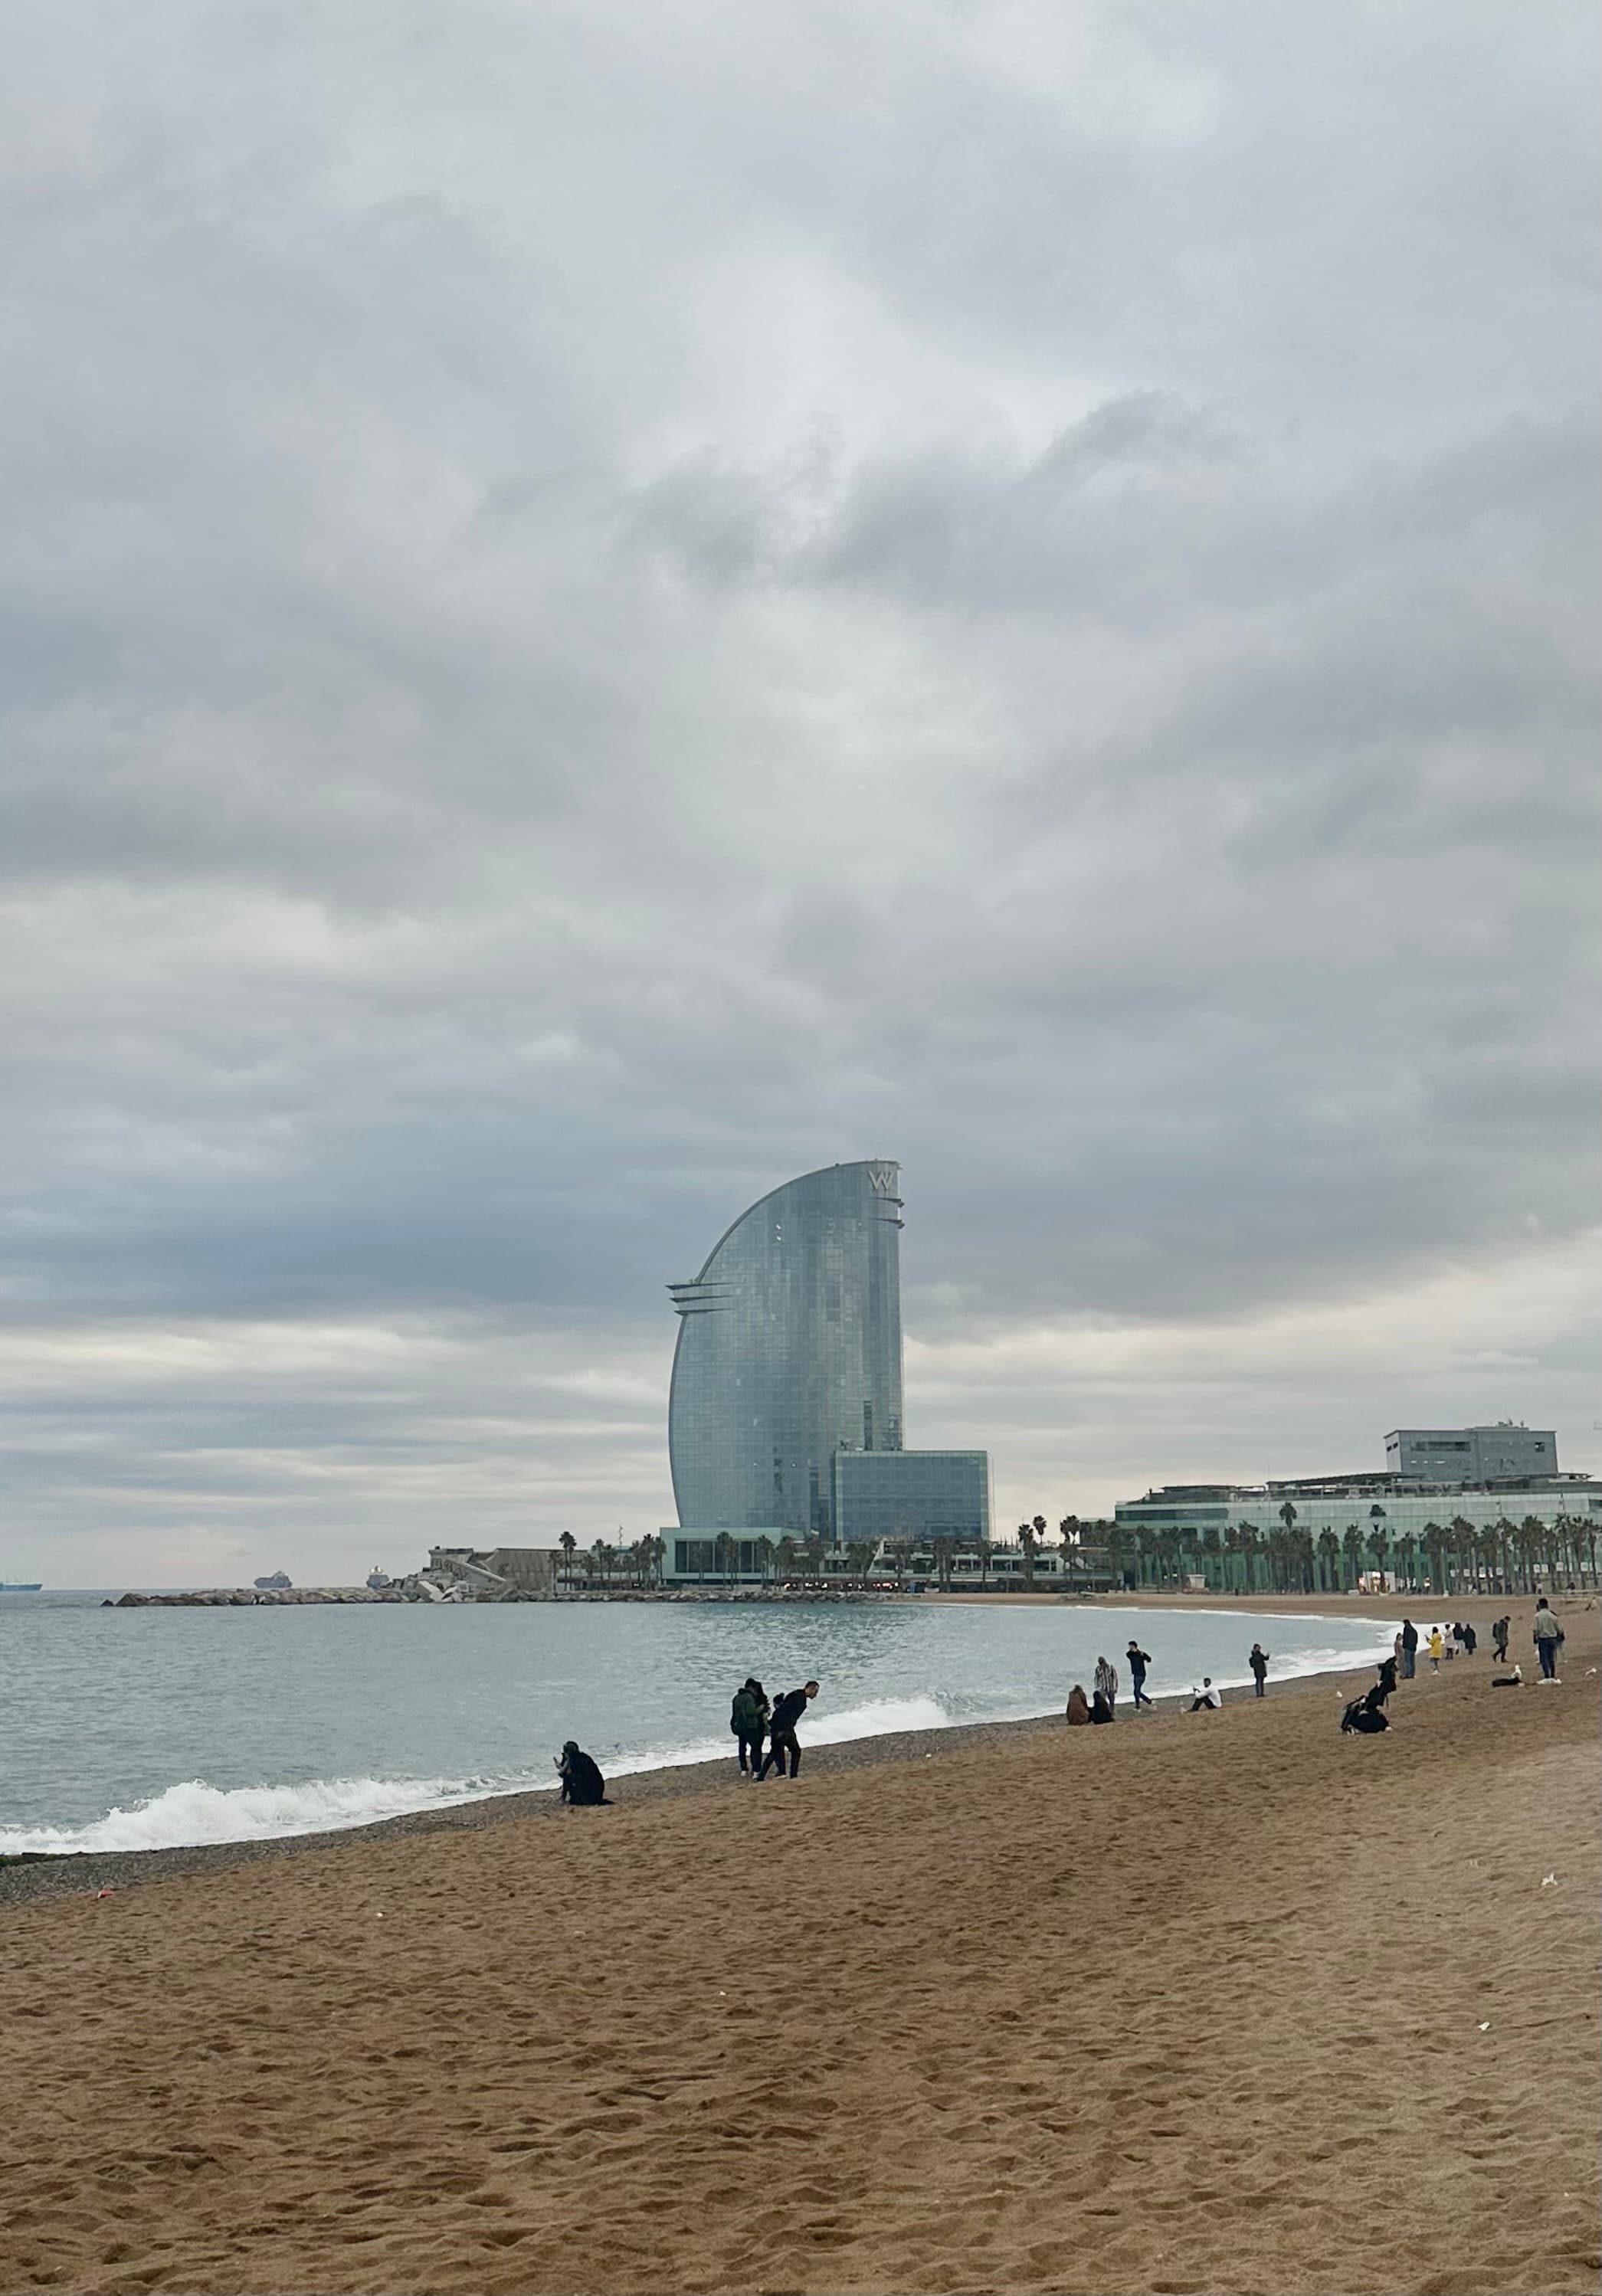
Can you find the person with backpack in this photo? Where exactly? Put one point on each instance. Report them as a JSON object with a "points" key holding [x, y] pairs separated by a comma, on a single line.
{"points": [[1259, 1664], [781, 1731], [1548, 1639], [1139, 1660], [748, 1719]]}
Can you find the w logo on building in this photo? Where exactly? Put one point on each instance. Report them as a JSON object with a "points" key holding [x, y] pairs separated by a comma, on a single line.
{"points": [[885, 1178]]}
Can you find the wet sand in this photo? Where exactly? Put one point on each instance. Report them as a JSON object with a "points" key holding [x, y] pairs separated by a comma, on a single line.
{"points": [[1191, 2005]]}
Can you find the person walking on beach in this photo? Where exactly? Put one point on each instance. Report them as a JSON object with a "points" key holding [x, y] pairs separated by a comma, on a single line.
{"points": [[1499, 1636], [1471, 1641], [781, 1731], [1139, 1660], [748, 1719], [1410, 1650], [1106, 1684], [1437, 1645], [1205, 1697], [1259, 1664], [1548, 1636]]}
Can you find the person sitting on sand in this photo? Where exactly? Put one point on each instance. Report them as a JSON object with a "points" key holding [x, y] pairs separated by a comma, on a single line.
{"points": [[1139, 1660], [1259, 1663], [1205, 1697], [1078, 1705], [1101, 1707], [781, 1731], [1106, 1683], [582, 1784], [1364, 1715]]}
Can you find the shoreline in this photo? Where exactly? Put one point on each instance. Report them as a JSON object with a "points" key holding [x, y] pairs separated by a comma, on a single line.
{"points": [[36, 1877]]}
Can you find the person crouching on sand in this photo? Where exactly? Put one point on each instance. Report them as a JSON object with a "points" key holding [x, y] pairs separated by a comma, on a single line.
{"points": [[1106, 1684], [781, 1731], [582, 1784], [1205, 1697], [1078, 1705]]}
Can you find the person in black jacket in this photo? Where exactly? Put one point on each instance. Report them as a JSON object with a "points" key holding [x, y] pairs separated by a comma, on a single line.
{"points": [[1139, 1660], [1259, 1664], [781, 1731], [1410, 1650], [748, 1720], [582, 1784]]}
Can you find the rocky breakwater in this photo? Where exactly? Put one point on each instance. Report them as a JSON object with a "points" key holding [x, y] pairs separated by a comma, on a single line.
{"points": [[257, 1598]]}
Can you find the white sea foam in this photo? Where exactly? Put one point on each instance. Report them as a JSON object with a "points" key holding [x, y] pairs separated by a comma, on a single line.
{"points": [[194, 1813]]}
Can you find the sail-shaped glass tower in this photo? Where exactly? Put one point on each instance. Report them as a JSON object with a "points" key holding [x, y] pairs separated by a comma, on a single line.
{"points": [[789, 1352]]}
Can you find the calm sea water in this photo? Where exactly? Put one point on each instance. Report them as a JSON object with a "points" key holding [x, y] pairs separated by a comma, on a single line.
{"points": [[138, 1729]]}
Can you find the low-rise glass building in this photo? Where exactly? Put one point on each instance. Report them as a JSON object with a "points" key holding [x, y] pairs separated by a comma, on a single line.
{"points": [[911, 1495]]}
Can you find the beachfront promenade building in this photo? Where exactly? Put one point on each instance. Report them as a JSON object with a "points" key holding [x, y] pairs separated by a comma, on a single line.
{"points": [[1322, 1532], [785, 1415]]}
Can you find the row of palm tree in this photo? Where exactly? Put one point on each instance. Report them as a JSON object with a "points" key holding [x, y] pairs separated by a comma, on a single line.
{"points": [[1448, 1558], [1242, 1558]]}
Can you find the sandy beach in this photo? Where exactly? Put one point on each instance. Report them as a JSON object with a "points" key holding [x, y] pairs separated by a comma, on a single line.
{"points": [[1225, 2003]]}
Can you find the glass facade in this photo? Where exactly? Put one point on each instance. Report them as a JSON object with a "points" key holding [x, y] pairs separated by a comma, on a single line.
{"points": [[789, 1348], [915, 1495]]}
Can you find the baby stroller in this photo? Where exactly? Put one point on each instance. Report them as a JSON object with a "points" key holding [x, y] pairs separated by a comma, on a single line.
{"points": [[1366, 1714]]}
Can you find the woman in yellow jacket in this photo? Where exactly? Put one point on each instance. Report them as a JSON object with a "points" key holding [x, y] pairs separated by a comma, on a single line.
{"points": [[1436, 1646]]}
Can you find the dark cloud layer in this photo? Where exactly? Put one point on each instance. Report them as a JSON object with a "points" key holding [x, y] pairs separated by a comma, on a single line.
{"points": [[600, 610]]}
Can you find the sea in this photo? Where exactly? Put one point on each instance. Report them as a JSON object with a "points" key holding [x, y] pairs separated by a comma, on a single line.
{"points": [[147, 1729]]}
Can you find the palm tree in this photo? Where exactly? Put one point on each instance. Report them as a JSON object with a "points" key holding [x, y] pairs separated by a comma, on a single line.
{"points": [[943, 1550], [1431, 1537], [787, 1553], [1028, 1539], [1379, 1542], [723, 1549], [1329, 1559], [567, 1543], [1248, 1541], [1407, 1547], [1351, 1550], [1210, 1552]]}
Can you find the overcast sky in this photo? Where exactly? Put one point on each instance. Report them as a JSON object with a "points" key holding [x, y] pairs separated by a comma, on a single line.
{"points": [[605, 605]]}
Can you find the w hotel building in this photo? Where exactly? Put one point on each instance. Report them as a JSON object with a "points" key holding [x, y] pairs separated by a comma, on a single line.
{"points": [[788, 1369]]}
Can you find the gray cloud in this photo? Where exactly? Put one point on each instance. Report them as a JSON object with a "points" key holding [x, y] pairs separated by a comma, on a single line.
{"points": [[596, 611]]}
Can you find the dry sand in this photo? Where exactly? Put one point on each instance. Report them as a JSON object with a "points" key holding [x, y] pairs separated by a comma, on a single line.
{"points": [[1195, 2004]]}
